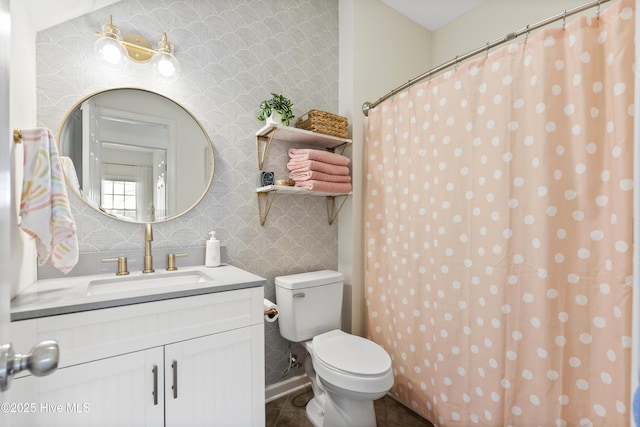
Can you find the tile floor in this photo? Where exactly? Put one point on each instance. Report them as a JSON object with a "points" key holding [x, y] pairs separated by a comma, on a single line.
{"points": [[289, 411]]}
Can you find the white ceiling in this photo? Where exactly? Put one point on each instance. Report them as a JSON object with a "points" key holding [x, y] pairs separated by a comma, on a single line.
{"points": [[44, 13], [432, 14]]}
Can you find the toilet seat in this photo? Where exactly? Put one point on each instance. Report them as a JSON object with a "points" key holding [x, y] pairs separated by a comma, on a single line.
{"points": [[351, 362]]}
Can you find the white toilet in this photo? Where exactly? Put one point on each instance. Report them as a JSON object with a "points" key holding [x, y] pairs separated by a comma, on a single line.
{"points": [[347, 372]]}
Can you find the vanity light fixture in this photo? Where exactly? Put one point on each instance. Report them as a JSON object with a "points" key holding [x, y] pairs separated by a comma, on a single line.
{"points": [[115, 49]]}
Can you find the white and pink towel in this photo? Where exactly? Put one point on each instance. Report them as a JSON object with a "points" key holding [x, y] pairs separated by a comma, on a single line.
{"points": [[44, 204], [312, 165], [319, 170], [301, 154], [305, 175], [325, 186]]}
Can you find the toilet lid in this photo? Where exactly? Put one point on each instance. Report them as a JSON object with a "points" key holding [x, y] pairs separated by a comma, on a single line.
{"points": [[351, 354]]}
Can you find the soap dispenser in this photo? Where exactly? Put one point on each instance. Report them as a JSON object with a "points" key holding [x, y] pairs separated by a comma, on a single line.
{"points": [[212, 253]]}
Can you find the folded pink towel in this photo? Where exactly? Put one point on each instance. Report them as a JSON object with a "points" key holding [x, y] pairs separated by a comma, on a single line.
{"points": [[298, 154], [306, 165], [44, 206], [305, 175], [327, 187]]}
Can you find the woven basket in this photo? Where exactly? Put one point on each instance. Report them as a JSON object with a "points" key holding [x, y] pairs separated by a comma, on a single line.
{"points": [[323, 122]]}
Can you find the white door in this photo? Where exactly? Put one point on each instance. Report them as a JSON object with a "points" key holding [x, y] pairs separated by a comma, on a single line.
{"points": [[8, 227], [5, 187]]}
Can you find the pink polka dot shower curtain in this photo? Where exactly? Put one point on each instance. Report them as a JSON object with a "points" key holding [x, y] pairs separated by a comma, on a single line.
{"points": [[498, 203]]}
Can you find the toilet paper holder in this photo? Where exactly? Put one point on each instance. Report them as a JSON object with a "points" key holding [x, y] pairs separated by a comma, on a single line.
{"points": [[271, 312]]}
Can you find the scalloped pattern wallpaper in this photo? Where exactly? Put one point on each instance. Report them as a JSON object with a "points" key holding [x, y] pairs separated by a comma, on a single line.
{"points": [[233, 54]]}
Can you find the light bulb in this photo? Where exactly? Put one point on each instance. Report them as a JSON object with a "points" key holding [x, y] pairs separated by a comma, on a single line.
{"points": [[164, 62], [108, 45], [166, 65], [110, 50]]}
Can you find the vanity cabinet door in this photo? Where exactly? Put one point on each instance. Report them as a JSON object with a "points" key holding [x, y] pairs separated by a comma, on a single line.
{"points": [[117, 391], [219, 378]]}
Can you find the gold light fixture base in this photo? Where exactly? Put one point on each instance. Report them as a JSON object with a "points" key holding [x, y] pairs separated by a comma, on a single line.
{"points": [[138, 48]]}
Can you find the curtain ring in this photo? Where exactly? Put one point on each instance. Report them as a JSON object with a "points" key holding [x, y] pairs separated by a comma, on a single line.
{"points": [[564, 19], [598, 10], [455, 64], [487, 51], [526, 34]]}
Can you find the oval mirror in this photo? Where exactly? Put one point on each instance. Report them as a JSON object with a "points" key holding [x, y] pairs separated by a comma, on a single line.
{"points": [[135, 155]]}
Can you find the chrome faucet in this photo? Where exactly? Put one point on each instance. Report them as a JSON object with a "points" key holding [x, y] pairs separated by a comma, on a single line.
{"points": [[148, 258]]}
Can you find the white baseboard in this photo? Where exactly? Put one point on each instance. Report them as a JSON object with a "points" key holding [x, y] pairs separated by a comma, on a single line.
{"points": [[277, 390]]}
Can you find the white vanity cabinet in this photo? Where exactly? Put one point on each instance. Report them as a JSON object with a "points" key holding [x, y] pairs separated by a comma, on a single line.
{"points": [[194, 361]]}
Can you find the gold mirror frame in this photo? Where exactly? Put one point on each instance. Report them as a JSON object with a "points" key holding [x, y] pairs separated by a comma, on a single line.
{"points": [[65, 145]]}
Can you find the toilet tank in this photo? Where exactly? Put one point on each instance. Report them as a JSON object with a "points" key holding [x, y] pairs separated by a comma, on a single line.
{"points": [[309, 304]]}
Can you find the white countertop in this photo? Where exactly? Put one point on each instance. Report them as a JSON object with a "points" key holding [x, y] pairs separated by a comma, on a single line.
{"points": [[69, 295]]}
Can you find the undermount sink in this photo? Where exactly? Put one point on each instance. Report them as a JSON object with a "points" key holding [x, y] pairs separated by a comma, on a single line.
{"points": [[146, 281]]}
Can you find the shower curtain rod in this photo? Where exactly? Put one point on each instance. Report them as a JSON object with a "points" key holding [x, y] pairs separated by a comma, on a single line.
{"points": [[568, 12]]}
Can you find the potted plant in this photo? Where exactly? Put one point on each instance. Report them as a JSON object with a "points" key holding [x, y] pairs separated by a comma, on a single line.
{"points": [[278, 105]]}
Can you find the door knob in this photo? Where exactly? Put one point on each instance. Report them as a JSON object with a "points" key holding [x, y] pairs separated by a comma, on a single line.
{"points": [[41, 360]]}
